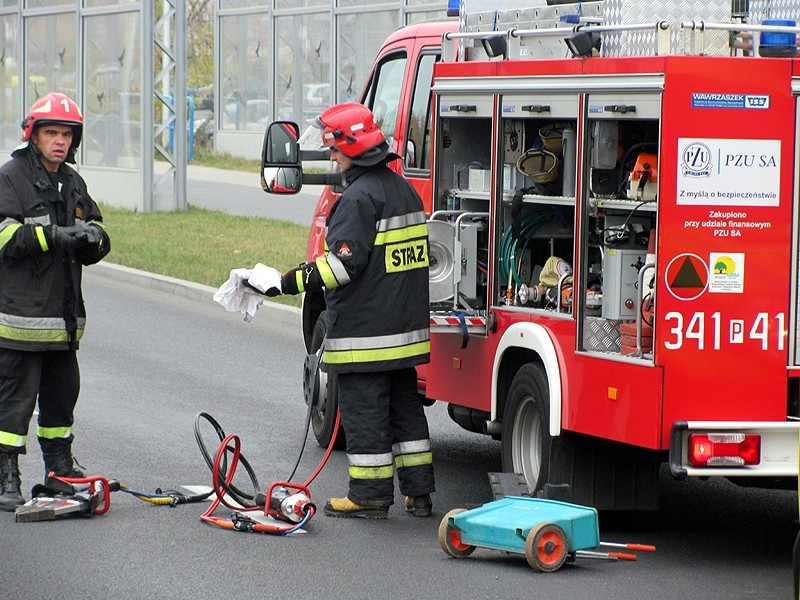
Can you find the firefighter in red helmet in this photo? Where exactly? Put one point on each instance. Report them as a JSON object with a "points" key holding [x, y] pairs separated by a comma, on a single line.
{"points": [[375, 277], [49, 228]]}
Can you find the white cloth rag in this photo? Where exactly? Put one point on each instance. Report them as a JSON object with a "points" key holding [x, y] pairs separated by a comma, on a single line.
{"points": [[235, 296], [263, 278]]}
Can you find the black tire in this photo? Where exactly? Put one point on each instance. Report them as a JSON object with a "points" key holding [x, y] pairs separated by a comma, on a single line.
{"points": [[323, 415], [796, 568], [526, 441]]}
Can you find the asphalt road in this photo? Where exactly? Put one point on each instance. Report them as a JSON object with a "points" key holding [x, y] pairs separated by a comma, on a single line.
{"points": [[151, 361]]}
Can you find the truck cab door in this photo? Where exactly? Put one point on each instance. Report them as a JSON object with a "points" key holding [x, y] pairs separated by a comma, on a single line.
{"points": [[399, 94]]}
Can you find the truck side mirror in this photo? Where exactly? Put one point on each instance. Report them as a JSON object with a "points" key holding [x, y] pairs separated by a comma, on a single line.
{"points": [[280, 144], [281, 180], [281, 171]]}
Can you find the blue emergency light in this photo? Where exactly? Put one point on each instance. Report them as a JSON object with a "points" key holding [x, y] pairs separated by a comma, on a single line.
{"points": [[453, 7]]}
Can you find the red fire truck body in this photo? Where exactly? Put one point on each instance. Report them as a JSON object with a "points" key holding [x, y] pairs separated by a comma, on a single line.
{"points": [[613, 247], [718, 356]]}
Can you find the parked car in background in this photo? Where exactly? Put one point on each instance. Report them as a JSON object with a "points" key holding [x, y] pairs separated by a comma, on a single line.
{"points": [[253, 115]]}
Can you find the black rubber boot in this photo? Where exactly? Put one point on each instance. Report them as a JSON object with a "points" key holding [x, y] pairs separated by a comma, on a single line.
{"points": [[419, 506], [10, 482], [58, 459]]}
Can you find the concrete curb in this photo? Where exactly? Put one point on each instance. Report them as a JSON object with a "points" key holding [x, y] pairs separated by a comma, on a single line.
{"points": [[288, 315]]}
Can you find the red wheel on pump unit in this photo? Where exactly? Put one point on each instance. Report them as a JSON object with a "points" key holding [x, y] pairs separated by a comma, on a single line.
{"points": [[546, 547], [450, 537]]}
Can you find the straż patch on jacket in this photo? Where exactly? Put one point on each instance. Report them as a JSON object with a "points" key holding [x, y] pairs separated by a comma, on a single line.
{"points": [[343, 251]]}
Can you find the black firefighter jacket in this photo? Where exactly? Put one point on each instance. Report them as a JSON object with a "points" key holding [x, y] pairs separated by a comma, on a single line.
{"points": [[375, 275], [41, 305]]}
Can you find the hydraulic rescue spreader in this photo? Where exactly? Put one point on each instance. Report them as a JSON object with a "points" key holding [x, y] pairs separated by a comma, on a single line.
{"points": [[62, 497], [285, 507], [66, 497]]}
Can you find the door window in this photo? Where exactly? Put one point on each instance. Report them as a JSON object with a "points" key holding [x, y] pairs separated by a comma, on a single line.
{"points": [[417, 155], [383, 95]]}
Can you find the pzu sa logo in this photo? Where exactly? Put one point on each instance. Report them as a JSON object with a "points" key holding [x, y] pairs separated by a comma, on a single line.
{"points": [[696, 160], [752, 101]]}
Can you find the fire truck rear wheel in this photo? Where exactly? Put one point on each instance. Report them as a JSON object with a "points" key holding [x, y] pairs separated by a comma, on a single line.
{"points": [[323, 416], [526, 437]]}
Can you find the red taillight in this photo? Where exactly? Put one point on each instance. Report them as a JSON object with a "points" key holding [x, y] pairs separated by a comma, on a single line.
{"points": [[724, 449]]}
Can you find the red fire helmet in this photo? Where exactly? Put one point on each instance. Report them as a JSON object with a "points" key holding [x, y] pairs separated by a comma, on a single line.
{"points": [[351, 129], [54, 108]]}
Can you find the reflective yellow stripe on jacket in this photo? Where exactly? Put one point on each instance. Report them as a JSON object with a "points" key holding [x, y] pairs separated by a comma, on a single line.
{"points": [[332, 270], [36, 329], [377, 348], [41, 237], [405, 241], [8, 227], [402, 228]]}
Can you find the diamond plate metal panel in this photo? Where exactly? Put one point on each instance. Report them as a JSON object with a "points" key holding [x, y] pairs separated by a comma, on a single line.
{"points": [[533, 15], [601, 334], [774, 9], [637, 43], [544, 18]]}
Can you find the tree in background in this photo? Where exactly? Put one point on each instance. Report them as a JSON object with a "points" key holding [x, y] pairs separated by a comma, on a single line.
{"points": [[200, 68], [200, 43]]}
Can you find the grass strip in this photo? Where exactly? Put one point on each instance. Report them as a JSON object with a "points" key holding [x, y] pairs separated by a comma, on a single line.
{"points": [[225, 161], [202, 245]]}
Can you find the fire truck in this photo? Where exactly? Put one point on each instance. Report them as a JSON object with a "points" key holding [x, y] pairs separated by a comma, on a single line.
{"points": [[613, 240]]}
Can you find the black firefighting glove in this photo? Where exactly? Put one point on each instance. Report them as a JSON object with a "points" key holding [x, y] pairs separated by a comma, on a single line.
{"points": [[270, 292], [65, 238], [289, 282], [73, 237], [92, 235]]}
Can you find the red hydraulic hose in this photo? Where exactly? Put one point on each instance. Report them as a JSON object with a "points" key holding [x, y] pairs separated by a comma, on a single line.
{"points": [[231, 443], [328, 450], [219, 489]]}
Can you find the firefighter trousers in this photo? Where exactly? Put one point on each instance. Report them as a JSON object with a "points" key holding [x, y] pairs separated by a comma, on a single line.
{"points": [[53, 377], [385, 425]]}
